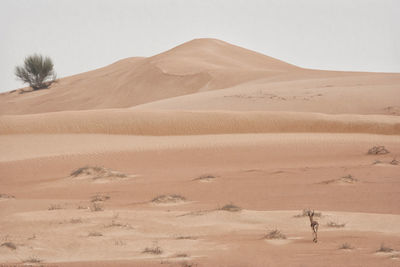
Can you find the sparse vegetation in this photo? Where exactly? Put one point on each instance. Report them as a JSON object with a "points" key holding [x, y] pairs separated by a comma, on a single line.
{"points": [[385, 249], [275, 234], [348, 179], [162, 199], [231, 207], [345, 246], [37, 71], [96, 206], [95, 234], [55, 207], [100, 198], [335, 224], [33, 260], [6, 196], [76, 220], [378, 150], [394, 162], [305, 212], [97, 172], [182, 255], [9, 245], [118, 224], [156, 250], [205, 177]]}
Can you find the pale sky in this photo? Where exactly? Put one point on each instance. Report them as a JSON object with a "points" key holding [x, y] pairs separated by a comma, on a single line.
{"points": [[80, 35]]}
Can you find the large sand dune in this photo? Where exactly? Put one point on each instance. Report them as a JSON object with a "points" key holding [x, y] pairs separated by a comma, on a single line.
{"points": [[191, 157]]}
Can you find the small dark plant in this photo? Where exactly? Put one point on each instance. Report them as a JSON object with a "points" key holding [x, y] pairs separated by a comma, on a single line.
{"points": [[153, 250], [335, 224], [305, 212], [378, 150], [275, 234], [385, 249], [231, 207], [168, 199], [345, 246], [96, 206], [9, 245]]}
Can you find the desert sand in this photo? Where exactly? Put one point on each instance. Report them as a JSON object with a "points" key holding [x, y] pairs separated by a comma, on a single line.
{"points": [[193, 156]]}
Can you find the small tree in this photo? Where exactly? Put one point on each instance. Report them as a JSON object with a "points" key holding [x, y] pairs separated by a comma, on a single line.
{"points": [[37, 71]]}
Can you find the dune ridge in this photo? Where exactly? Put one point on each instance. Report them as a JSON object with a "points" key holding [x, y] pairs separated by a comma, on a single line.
{"points": [[161, 123]]}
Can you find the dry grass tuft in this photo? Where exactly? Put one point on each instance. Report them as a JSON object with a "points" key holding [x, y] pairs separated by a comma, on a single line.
{"points": [[9, 245], [205, 177], [33, 260], [385, 249], [76, 220], [348, 179], [99, 198], [96, 206], [335, 224], [378, 150], [181, 255], [55, 207], [275, 234], [231, 207], [346, 246], [153, 250], [394, 162], [6, 196], [304, 213], [95, 234], [162, 199], [97, 172]]}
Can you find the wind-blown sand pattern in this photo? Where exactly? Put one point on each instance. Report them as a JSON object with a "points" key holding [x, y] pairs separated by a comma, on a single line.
{"points": [[132, 164]]}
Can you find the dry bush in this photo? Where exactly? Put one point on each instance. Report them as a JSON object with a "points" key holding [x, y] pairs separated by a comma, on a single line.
{"points": [[394, 162], [9, 245], [32, 259], [153, 250], [97, 172], [6, 196], [335, 224], [168, 199], [182, 255], [205, 177], [76, 220], [345, 246], [37, 71], [99, 198], [96, 206], [385, 249], [95, 234], [378, 150], [55, 207], [231, 207], [348, 179], [305, 212], [275, 234]]}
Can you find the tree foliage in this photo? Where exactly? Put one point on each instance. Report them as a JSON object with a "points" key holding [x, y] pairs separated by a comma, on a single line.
{"points": [[37, 71]]}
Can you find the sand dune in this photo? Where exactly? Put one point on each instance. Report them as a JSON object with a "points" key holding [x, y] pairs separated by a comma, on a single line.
{"points": [[87, 166], [203, 64], [189, 123]]}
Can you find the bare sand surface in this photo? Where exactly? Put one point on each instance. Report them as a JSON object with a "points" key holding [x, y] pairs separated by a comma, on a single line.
{"points": [[194, 157]]}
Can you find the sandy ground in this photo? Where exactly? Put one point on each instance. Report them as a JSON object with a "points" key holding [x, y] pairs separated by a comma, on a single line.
{"points": [[147, 178]]}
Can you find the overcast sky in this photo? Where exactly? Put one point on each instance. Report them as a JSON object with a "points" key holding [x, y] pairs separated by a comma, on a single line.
{"points": [[81, 35]]}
